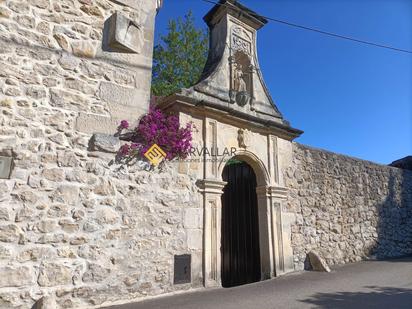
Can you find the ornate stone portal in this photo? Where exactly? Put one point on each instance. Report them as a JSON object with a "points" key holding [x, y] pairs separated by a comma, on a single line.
{"points": [[232, 109]]}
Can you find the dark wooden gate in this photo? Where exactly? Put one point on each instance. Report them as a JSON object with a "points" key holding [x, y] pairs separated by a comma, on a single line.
{"points": [[240, 226]]}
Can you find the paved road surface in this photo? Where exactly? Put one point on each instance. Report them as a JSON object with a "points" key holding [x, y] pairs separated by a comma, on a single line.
{"points": [[372, 284]]}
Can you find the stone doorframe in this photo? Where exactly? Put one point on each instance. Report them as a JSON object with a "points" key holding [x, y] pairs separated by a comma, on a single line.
{"points": [[271, 234]]}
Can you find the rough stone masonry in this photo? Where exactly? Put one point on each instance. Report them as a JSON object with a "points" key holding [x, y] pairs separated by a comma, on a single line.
{"points": [[347, 209], [83, 232], [71, 226]]}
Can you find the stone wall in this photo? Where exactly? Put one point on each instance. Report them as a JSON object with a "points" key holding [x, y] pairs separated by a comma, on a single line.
{"points": [[86, 233], [346, 208], [72, 226], [61, 56]]}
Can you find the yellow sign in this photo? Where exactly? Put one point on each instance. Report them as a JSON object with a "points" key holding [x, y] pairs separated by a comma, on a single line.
{"points": [[155, 155]]}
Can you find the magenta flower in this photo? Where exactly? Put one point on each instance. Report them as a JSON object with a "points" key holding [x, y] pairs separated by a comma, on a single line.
{"points": [[124, 150], [161, 129], [124, 124]]}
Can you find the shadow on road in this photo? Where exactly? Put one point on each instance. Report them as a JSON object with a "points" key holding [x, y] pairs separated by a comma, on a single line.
{"points": [[377, 298]]}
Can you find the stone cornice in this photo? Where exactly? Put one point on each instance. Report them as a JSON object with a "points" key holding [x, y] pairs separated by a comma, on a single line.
{"points": [[181, 101], [211, 186], [272, 191]]}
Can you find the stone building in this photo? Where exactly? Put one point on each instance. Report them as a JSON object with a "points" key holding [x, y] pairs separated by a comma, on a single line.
{"points": [[77, 231]]}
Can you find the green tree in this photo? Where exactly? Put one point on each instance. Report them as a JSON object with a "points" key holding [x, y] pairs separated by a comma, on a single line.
{"points": [[179, 58]]}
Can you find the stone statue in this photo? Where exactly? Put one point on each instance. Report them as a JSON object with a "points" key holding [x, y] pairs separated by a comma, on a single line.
{"points": [[241, 138], [239, 81]]}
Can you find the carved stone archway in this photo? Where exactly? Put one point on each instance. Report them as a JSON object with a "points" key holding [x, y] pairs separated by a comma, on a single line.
{"points": [[270, 222], [232, 108]]}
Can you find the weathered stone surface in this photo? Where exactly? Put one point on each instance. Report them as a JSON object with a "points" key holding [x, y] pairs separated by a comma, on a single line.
{"points": [[25, 213], [5, 12], [16, 276], [95, 273], [10, 233], [106, 216], [83, 49], [42, 4], [69, 62], [62, 41], [193, 218], [47, 226], [67, 159], [69, 226], [124, 34], [195, 239], [132, 3], [54, 174], [36, 254], [4, 214], [63, 218], [53, 274], [90, 123], [5, 252], [110, 92], [105, 143], [46, 302], [347, 210], [6, 167], [317, 262], [82, 86], [67, 100], [67, 194], [131, 280], [92, 10], [104, 188]]}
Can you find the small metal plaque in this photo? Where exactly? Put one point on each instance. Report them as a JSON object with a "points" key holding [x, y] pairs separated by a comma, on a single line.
{"points": [[6, 164], [183, 269]]}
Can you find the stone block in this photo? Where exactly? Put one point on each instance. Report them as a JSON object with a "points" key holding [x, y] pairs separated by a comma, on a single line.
{"points": [[110, 92], [47, 226], [317, 262], [10, 233], [92, 123], [124, 35], [6, 166], [54, 174], [5, 252], [84, 49], [135, 4], [192, 218], [105, 142], [46, 302], [15, 276], [195, 239], [67, 194], [53, 274], [106, 216], [95, 273]]}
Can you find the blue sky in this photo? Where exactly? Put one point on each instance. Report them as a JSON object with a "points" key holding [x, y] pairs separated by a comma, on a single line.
{"points": [[349, 98]]}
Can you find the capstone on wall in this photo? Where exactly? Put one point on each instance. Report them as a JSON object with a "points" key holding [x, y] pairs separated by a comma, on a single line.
{"points": [[347, 209]]}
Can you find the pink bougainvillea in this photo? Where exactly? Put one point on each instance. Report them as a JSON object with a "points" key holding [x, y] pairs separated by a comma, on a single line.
{"points": [[158, 128], [124, 124]]}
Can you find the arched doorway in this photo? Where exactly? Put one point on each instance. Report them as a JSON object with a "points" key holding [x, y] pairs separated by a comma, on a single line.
{"points": [[240, 226]]}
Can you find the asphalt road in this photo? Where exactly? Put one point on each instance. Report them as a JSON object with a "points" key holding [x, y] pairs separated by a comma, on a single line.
{"points": [[371, 284]]}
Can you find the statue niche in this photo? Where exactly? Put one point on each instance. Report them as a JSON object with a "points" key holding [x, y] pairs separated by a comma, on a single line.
{"points": [[242, 74]]}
